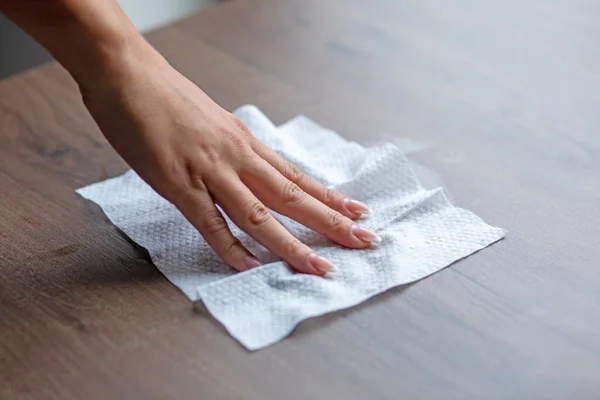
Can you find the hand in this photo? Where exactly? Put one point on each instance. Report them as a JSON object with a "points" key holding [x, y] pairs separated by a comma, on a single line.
{"points": [[196, 155]]}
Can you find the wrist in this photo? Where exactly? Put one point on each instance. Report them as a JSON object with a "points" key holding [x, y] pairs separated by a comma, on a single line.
{"points": [[87, 37], [119, 68], [107, 57]]}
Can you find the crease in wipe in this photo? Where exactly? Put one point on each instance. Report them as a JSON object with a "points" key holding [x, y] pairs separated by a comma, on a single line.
{"points": [[422, 233]]}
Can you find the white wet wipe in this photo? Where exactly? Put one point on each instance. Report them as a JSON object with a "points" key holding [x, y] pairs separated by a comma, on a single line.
{"points": [[422, 233]]}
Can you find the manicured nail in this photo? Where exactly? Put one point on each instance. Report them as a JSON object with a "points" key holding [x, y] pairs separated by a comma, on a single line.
{"points": [[356, 207], [320, 264], [251, 262], [365, 234]]}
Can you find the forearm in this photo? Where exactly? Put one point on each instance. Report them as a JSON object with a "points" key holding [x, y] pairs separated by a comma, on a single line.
{"points": [[88, 37]]}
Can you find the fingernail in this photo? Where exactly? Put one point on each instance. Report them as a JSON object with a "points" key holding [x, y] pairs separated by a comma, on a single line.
{"points": [[251, 262], [365, 234], [320, 264], [356, 206]]}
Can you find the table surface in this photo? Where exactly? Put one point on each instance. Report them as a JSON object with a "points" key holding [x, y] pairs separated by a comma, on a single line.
{"points": [[505, 94]]}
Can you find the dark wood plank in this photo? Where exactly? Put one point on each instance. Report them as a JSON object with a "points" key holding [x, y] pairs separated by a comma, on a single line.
{"points": [[506, 94]]}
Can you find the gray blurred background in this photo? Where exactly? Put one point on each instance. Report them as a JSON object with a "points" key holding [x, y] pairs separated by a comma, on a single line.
{"points": [[19, 52]]}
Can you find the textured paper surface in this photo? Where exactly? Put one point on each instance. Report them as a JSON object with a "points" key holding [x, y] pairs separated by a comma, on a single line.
{"points": [[422, 233]]}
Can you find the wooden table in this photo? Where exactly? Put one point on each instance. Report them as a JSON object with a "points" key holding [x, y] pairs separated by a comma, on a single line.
{"points": [[505, 93]]}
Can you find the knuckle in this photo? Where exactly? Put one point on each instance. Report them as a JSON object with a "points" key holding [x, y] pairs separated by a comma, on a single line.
{"points": [[292, 172], [336, 221], [195, 178], [293, 247], [213, 155], [329, 196], [292, 194], [241, 126], [231, 248], [236, 146], [208, 153], [258, 214], [214, 223], [232, 137]]}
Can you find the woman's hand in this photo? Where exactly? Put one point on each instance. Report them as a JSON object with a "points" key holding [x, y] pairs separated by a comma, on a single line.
{"points": [[185, 146], [196, 155]]}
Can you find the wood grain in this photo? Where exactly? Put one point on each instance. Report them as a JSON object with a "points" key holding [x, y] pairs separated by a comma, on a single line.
{"points": [[506, 95]]}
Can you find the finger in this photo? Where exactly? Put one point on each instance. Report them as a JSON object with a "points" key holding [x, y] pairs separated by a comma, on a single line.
{"points": [[250, 215], [287, 198], [202, 213], [335, 200]]}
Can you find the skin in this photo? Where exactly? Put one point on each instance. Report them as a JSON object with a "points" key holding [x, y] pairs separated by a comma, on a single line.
{"points": [[189, 149]]}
